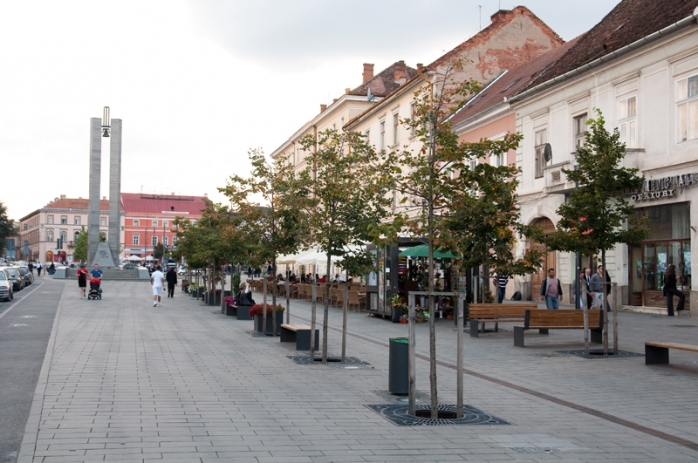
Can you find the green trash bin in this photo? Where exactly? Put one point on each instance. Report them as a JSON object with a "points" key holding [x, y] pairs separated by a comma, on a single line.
{"points": [[398, 366]]}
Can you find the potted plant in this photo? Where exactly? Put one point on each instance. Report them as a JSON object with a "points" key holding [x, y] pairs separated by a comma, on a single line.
{"points": [[256, 313], [193, 289], [230, 307], [398, 308]]}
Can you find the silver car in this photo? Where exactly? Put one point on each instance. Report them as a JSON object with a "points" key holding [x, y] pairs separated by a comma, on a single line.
{"points": [[16, 277], [28, 276], [6, 293]]}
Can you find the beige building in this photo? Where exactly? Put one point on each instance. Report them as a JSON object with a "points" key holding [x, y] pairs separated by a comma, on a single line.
{"points": [[352, 103], [61, 218]]}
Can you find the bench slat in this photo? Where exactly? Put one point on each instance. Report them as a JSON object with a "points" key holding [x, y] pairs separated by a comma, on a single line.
{"points": [[673, 345]]}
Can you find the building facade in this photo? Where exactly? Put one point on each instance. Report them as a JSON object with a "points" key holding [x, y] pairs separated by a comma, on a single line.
{"points": [[149, 220], [639, 66]]}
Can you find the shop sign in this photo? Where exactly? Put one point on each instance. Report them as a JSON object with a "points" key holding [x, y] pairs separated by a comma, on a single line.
{"points": [[664, 187]]}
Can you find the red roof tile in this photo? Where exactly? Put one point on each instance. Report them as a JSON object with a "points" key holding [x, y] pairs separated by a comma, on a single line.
{"points": [[628, 22], [384, 82], [135, 203], [76, 204]]}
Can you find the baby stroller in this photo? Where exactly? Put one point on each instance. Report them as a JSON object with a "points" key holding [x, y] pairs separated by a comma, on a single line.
{"points": [[95, 291]]}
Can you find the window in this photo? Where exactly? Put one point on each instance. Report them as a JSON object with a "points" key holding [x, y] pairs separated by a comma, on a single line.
{"points": [[49, 235], [154, 240], [368, 136], [341, 123], [687, 108], [495, 160], [75, 236], [136, 240], [541, 139], [627, 112], [26, 226], [579, 126], [136, 223], [396, 124], [155, 223], [64, 220], [164, 240], [165, 223], [49, 219], [103, 221], [64, 236], [76, 220], [174, 240], [382, 139]]}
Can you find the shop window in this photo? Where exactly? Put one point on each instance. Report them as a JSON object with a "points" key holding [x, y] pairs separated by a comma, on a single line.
{"points": [[579, 127], [627, 115], [668, 222], [687, 109], [541, 138]]}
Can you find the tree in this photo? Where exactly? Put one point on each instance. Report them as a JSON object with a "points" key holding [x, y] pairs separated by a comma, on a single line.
{"points": [[278, 226], [80, 252], [349, 187], [159, 251], [596, 217], [455, 202], [7, 229]]}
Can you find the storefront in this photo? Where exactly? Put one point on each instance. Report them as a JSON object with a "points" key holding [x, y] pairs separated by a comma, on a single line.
{"points": [[668, 242]]}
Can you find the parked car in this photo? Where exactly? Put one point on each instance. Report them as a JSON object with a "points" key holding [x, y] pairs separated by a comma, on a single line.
{"points": [[6, 293], [129, 267], [16, 278], [28, 276]]}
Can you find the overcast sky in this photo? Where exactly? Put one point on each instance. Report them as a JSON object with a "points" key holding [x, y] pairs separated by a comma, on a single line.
{"points": [[198, 83]]}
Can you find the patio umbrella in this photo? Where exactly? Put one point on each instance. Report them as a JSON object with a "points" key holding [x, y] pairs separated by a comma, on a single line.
{"points": [[149, 258], [423, 251], [134, 258]]}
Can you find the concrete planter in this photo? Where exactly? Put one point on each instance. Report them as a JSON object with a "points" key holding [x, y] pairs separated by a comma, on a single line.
{"points": [[270, 323]]}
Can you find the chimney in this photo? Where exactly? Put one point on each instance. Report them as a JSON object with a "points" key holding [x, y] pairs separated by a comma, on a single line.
{"points": [[347, 90], [323, 107], [205, 195], [62, 196], [368, 72], [400, 73], [104, 198], [499, 15], [420, 68]]}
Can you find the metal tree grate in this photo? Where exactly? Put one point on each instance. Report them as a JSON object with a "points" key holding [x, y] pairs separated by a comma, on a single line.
{"points": [[598, 354], [332, 360], [397, 414]]}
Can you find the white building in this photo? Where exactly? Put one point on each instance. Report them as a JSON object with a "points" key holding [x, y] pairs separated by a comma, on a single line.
{"points": [[639, 66]]}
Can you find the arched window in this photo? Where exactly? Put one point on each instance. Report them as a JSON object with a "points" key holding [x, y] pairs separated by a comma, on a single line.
{"points": [[49, 235], [164, 240], [64, 236], [136, 239]]}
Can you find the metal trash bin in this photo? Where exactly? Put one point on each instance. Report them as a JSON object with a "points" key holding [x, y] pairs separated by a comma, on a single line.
{"points": [[398, 369]]}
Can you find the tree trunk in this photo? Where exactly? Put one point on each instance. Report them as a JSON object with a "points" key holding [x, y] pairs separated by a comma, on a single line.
{"points": [[604, 312], [432, 329], [288, 296], [345, 303], [313, 321], [274, 328], [325, 322], [264, 303]]}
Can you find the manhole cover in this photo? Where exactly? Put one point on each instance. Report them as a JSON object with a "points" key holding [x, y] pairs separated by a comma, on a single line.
{"points": [[332, 360], [598, 354], [397, 414]]}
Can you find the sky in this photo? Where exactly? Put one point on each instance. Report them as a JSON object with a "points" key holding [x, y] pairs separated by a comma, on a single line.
{"points": [[199, 83]]}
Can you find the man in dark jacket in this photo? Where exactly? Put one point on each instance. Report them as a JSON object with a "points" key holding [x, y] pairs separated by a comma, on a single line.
{"points": [[551, 290], [171, 278]]}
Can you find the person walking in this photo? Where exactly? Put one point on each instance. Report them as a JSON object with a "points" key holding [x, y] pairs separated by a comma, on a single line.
{"points": [[157, 281], [51, 269], [30, 266], [587, 279], [596, 288], [583, 289], [670, 291], [500, 281], [171, 278], [551, 291], [38, 268], [82, 280]]}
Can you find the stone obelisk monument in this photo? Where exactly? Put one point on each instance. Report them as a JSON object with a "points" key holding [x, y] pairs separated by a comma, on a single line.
{"points": [[104, 253]]}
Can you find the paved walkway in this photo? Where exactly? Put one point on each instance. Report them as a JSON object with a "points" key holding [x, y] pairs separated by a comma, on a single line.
{"points": [[123, 381]]}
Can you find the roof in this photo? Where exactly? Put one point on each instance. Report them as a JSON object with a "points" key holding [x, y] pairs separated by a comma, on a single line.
{"points": [[76, 204], [628, 22], [512, 82], [384, 82], [134, 203], [500, 19]]}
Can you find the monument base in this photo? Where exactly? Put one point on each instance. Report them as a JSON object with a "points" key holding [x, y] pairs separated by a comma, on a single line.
{"points": [[103, 256]]}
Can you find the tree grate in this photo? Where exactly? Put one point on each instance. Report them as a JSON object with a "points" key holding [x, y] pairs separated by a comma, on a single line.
{"points": [[332, 361], [397, 414], [598, 354]]}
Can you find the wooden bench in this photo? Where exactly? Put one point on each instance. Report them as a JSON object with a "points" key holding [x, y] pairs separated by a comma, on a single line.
{"points": [[300, 334], [657, 353], [495, 313], [544, 320]]}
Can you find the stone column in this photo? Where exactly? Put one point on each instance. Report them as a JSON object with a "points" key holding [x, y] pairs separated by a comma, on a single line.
{"points": [[95, 174], [114, 235]]}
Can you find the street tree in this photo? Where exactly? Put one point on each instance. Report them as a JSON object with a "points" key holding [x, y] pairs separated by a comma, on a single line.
{"points": [[596, 217], [268, 207], [7, 229], [80, 252], [350, 201]]}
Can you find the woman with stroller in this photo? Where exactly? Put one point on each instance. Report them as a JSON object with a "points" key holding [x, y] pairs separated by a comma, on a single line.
{"points": [[82, 280]]}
